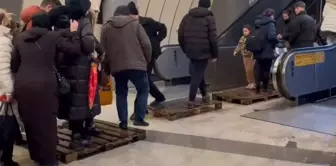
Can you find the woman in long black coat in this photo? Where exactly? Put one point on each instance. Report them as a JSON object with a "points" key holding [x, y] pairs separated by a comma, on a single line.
{"points": [[35, 86], [76, 69]]}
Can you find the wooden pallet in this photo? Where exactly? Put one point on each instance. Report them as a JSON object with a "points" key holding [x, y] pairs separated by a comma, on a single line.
{"points": [[110, 137], [244, 96], [178, 109]]}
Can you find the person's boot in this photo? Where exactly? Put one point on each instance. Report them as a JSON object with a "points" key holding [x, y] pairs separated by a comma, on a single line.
{"points": [[157, 103], [132, 117], [92, 130], [141, 123], [123, 125], [10, 163], [206, 99], [192, 104], [79, 142]]}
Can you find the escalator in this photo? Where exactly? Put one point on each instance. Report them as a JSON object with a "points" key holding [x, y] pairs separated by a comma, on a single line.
{"points": [[228, 72]]}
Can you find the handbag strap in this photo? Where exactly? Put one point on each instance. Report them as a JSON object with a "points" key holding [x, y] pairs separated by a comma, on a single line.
{"points": [[7, 107]]}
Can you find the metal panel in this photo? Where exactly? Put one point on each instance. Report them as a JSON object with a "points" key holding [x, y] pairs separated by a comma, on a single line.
{"points": [[226, 12], [173, 63]]}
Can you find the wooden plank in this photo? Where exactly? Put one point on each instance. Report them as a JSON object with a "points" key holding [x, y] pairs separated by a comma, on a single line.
{"points": [[109, 138], [244, 96], [178, 109]]}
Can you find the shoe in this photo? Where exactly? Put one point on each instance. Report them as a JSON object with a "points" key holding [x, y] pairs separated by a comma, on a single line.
{"points": [[132, 117], [140, 123], [192, 104], [93, 131], [79, 142], [10, 163], [123, 126], [156, 103], [206, 99]]}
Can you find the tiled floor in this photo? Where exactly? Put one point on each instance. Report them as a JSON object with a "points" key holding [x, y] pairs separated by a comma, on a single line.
{"points": [[192, 141]]}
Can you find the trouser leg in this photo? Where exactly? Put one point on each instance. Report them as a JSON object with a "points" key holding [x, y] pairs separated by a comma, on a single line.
{"points": [[121, 88], [140, 81], [153, 89], [197, 70]]}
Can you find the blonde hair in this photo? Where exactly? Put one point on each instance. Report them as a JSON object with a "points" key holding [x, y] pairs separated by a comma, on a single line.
{"points": [[6, 19]]}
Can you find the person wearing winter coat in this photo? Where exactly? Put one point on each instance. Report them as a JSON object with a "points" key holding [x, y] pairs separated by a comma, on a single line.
{"points": [[35, 86], [329, 21], [7, 27], [267, 26], [156, 32], [77, 72], [302, 30], [247, 56], [128, 53], [197, 38]]}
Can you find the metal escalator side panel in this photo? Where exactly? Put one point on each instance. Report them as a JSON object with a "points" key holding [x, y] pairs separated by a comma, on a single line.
{"points": [[172, 63], [304, 72], [275, 72]]}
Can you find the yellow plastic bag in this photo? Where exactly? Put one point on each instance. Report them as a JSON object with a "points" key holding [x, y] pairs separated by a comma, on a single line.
{"points": [[106, 93]]}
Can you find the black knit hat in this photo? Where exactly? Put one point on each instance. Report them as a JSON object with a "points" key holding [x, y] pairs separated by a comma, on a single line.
{"points": [[41, 20], [204, 3], [122, 11], [132, 8], [60, 17], [269, 12], [78, 8]]}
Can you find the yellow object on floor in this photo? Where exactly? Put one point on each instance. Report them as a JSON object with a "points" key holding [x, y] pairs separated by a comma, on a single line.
{"points": [[106, 94]]}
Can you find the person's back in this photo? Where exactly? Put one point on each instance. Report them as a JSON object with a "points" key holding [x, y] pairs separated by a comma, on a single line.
{"points": [[302, 30], [125, 44], [128, 52], [197, 34]]}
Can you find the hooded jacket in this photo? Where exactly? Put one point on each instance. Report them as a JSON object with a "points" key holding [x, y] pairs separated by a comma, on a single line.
{"points": [[126, 45], [197, 34], [268, 28]]}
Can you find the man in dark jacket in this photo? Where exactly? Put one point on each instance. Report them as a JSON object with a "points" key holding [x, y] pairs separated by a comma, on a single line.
{"points": [[128, 52], [301, 31], [264, 58], [197, 37], [156, 32]]}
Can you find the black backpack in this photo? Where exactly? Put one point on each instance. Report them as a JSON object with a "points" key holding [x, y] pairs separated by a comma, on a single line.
{"points": [[257, 41]]}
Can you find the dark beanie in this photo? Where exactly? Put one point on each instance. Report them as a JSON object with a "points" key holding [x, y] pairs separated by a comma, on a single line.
{"points": [[78, 8], [122, 11], [204, 3], [132, 8], [269, 12], [41, 20]]}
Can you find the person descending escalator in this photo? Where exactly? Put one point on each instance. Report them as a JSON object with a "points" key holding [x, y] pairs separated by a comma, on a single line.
{"points": [[156, 32], [262, 43], [197, 37], [302, 30]]}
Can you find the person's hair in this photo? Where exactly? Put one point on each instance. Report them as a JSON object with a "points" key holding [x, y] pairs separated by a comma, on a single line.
{"points": [[249, 27], [269, 12], [288, 12], [53, 3], [300, 4], [6, 19], [122, 11]]}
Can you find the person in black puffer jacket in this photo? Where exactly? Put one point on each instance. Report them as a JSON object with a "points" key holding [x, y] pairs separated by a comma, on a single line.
{"points": [[197, 37], [76, 69], [264, 58]]}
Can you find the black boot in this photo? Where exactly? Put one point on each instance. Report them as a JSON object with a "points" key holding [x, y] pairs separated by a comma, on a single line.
{"points": [[10, 163]]}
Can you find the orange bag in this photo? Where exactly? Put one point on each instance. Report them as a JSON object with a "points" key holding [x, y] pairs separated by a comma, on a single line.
{"points": [[106, 93]]}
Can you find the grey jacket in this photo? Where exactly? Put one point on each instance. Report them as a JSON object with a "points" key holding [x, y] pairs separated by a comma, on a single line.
{"points": [[126, 44]]}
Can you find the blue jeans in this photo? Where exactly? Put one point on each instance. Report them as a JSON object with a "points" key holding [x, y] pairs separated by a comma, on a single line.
{"points": [[140, 81]]}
